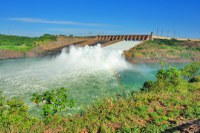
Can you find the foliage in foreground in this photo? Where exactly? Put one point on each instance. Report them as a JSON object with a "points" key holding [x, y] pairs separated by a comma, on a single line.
{"points": [[164, 103], [14, 115], [52, 102]]}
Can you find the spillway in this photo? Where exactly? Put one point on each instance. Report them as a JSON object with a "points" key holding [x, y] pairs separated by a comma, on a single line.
{"points": [[122, 45]]}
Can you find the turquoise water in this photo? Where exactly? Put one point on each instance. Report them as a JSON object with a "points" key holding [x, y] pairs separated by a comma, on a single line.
{"points": [[86, 78]]}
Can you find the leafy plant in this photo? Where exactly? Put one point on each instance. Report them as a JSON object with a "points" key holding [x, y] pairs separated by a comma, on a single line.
{"points": [[14, 114], [173, 78], [195, 79], [52, 102], [148, 85], [191, 70], [169, 77]]}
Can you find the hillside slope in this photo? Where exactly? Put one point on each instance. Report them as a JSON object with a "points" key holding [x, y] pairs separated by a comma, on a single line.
{"points": [[164, 50], [17, 47]]}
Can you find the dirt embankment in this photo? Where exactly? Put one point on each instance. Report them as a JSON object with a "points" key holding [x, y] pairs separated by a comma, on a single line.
{"points": [[44, 49], [51, 48], [5, 54], [157, 51], [62, 42], [9, 54], [161, 57]]}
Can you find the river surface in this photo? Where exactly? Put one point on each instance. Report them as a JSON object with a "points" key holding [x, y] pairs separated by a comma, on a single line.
{"points": [[88, 73]]}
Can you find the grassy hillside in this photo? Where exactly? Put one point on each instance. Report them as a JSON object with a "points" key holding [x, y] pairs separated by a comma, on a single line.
{"points": [[19, 43], [168, 50], [161, 105]]}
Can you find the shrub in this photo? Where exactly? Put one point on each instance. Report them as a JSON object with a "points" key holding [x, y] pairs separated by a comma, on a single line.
{"points": [[190, 70], [172, 78], [167, 78], [148, 85], [14, 114], [52, 102], [195, 79]]}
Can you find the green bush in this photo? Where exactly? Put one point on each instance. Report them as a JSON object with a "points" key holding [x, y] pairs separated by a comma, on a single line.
{"points": [[52, 102], [148, 85], [170, 77], [173, 78], [14, 114], [195, 79], [47, 37], [190, 70]]}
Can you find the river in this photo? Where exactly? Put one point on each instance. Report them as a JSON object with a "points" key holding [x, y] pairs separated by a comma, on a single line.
{"points": [[88, 73]]}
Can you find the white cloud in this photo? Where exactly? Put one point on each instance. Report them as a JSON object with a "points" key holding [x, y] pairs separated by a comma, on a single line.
{"points": [[37, 20]]}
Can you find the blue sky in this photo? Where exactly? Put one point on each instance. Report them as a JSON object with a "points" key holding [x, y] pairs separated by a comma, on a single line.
{"points": [[85, 17]]}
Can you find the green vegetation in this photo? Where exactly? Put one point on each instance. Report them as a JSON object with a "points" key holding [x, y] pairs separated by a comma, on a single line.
{"points": [[170, 100], [52, 102], [14, 115], [17, 43], [165, 49], [190, 71]]}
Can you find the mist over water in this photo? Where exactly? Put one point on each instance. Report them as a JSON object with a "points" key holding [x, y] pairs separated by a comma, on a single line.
{"points": [[87, 72], [91, 59]]}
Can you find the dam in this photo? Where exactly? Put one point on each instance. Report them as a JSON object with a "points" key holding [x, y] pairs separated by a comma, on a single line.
{"points": [[115, 42], [125, 37], [111, 42], [122, 45]]}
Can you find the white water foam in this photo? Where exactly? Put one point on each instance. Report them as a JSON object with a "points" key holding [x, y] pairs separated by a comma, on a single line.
{"points": [[91, 58], [21, 76]]}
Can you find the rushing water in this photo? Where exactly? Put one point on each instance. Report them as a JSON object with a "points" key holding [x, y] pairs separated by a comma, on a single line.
{"points": [[88, 73]]}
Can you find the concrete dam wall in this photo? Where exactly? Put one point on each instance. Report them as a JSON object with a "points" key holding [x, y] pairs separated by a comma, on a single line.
{"points": [[124, 37]]}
